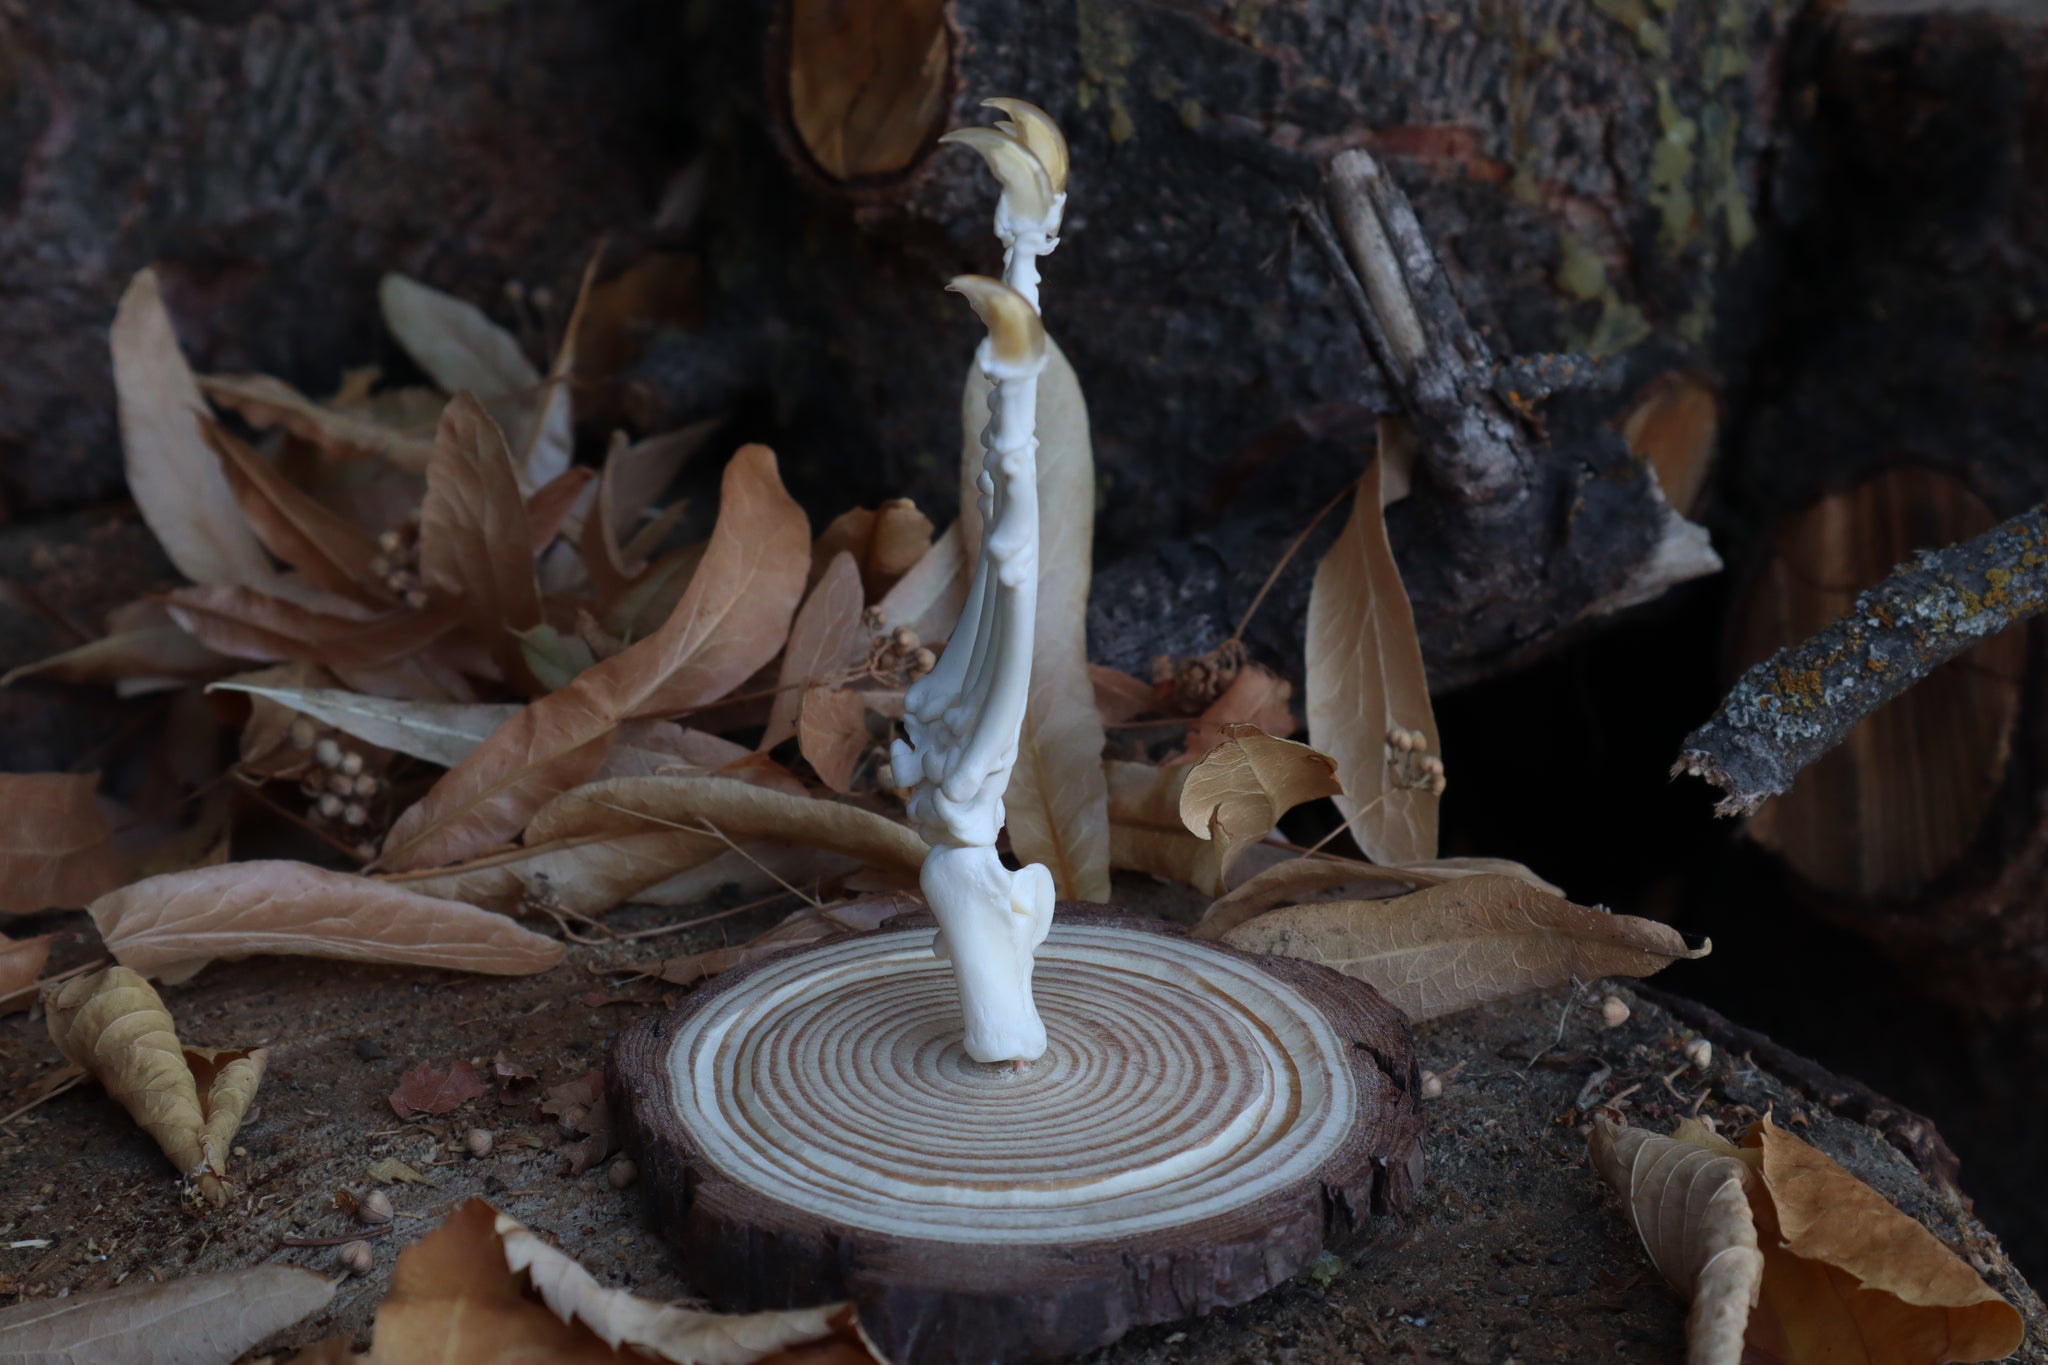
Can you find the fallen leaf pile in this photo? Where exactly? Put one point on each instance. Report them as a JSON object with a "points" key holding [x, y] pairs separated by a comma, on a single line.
{"points": [[198, 1318], [1790, 1260]]}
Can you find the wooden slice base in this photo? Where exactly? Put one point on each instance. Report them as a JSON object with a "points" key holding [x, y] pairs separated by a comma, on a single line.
{"points": [[1203, 1122]]}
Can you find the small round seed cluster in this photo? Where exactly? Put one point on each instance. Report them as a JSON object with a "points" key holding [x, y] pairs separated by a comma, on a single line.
{"points": [[337, 788], [1411, 764], [899, 656], [397, 562]]}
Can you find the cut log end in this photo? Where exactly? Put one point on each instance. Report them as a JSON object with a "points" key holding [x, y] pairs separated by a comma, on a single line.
{"points": [[1202, 1124]]}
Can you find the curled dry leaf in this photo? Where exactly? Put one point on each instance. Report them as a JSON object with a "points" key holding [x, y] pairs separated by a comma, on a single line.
{"points": [[331, 551], [144, 650], [191, 1101], [171, 926], [885, 543], [476, 544], [1146, 833], [1366, 681], [56, 850], [197, 1320], [1462, 942], [1247, 782], [581, 876], [246, 624], [1300, 881], [21, 962], [481, 1288], [174, 478], [1689, 1207], [634, 476], [423, 1090], [730, 621], [826, 642], [734, 810], [268, 402], [1058, 799], [1850, 1278], [930, 598]]}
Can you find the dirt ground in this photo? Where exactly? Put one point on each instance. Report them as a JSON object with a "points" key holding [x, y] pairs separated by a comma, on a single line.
{"points": [[1513, 1251]]}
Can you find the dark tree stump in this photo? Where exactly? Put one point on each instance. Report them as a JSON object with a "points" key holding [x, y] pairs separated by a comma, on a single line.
{"points": [[1203, 1123]]}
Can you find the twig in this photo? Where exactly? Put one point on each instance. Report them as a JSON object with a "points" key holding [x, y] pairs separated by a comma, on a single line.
{"points": [[1294, 548], [1803, 701], [342, 1240]]}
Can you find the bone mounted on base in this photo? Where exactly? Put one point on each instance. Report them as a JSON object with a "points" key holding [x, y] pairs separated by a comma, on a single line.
{"points": [[964, 718]]}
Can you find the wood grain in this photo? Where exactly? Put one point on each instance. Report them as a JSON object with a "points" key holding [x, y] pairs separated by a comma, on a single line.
{"points": [[1203, 1123]]}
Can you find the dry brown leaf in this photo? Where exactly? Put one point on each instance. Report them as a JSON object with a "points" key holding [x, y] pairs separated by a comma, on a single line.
{"points": [[1246, 783], [344, 433], [144, 650], [331, 551], [730, 621], [832, 734], [1366, 681], [1447, 947], [1057, 802], [246, 624], [1119, 697], [579, 876], [759, 867], [1435, 870], [634, 476], [929, 599], [736, 810], [170, 926], [551, 510], [476, 557], [56, 850], [423, 1090], [885, 543], [196, 1320], [1145, 829], [1303, 881], [1256, 696], [1689, 1207], [175, 480], [21, 962], [1849, 1278], [826, 642], [114, 1024]]}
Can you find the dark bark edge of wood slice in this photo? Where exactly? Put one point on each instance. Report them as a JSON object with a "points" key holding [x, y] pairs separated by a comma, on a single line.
{"points": [[925, 1300]]}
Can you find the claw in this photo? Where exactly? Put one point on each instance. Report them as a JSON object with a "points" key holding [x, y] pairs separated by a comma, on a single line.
{"points": [[1015, 333], [1026, 182], [1033, 127]]}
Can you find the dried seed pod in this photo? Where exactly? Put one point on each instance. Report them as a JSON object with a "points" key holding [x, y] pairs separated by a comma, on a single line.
{"points": [[1614, 1011], [356, 1258], [329, 806], [622, 1174], [327, 753], [1432, 1085], [477, 1142], [341, 784], [1700, 1053], [374, 1207], [367, 786], [351, 763], [303, 733], [353, 815]]}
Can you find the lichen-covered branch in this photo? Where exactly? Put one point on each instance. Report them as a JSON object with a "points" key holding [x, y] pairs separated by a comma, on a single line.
{"points": [[1802, 701]]}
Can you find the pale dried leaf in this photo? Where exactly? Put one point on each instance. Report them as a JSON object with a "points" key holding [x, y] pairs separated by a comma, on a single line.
{"points": [[1434, 870], [1057, 802], [634, 476], [21, 962], [171, 926], [758, 867], [1460, 943], [1688, 1206], [246, 624], [1119, 697], [1145, 829], [227, 1081], [175, 480], [196, 1320], [826, 642], [356, 434], [331, 551], [1247, 782], [587, 875], [680, 1335], [930, 597], [476, 558], [1365, 680], [736, 810], [143, 650], [1849, 1277], [730, 621], [392, 1171], [439, 732], [56, 849], [1302, 881], [453, 341]]}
